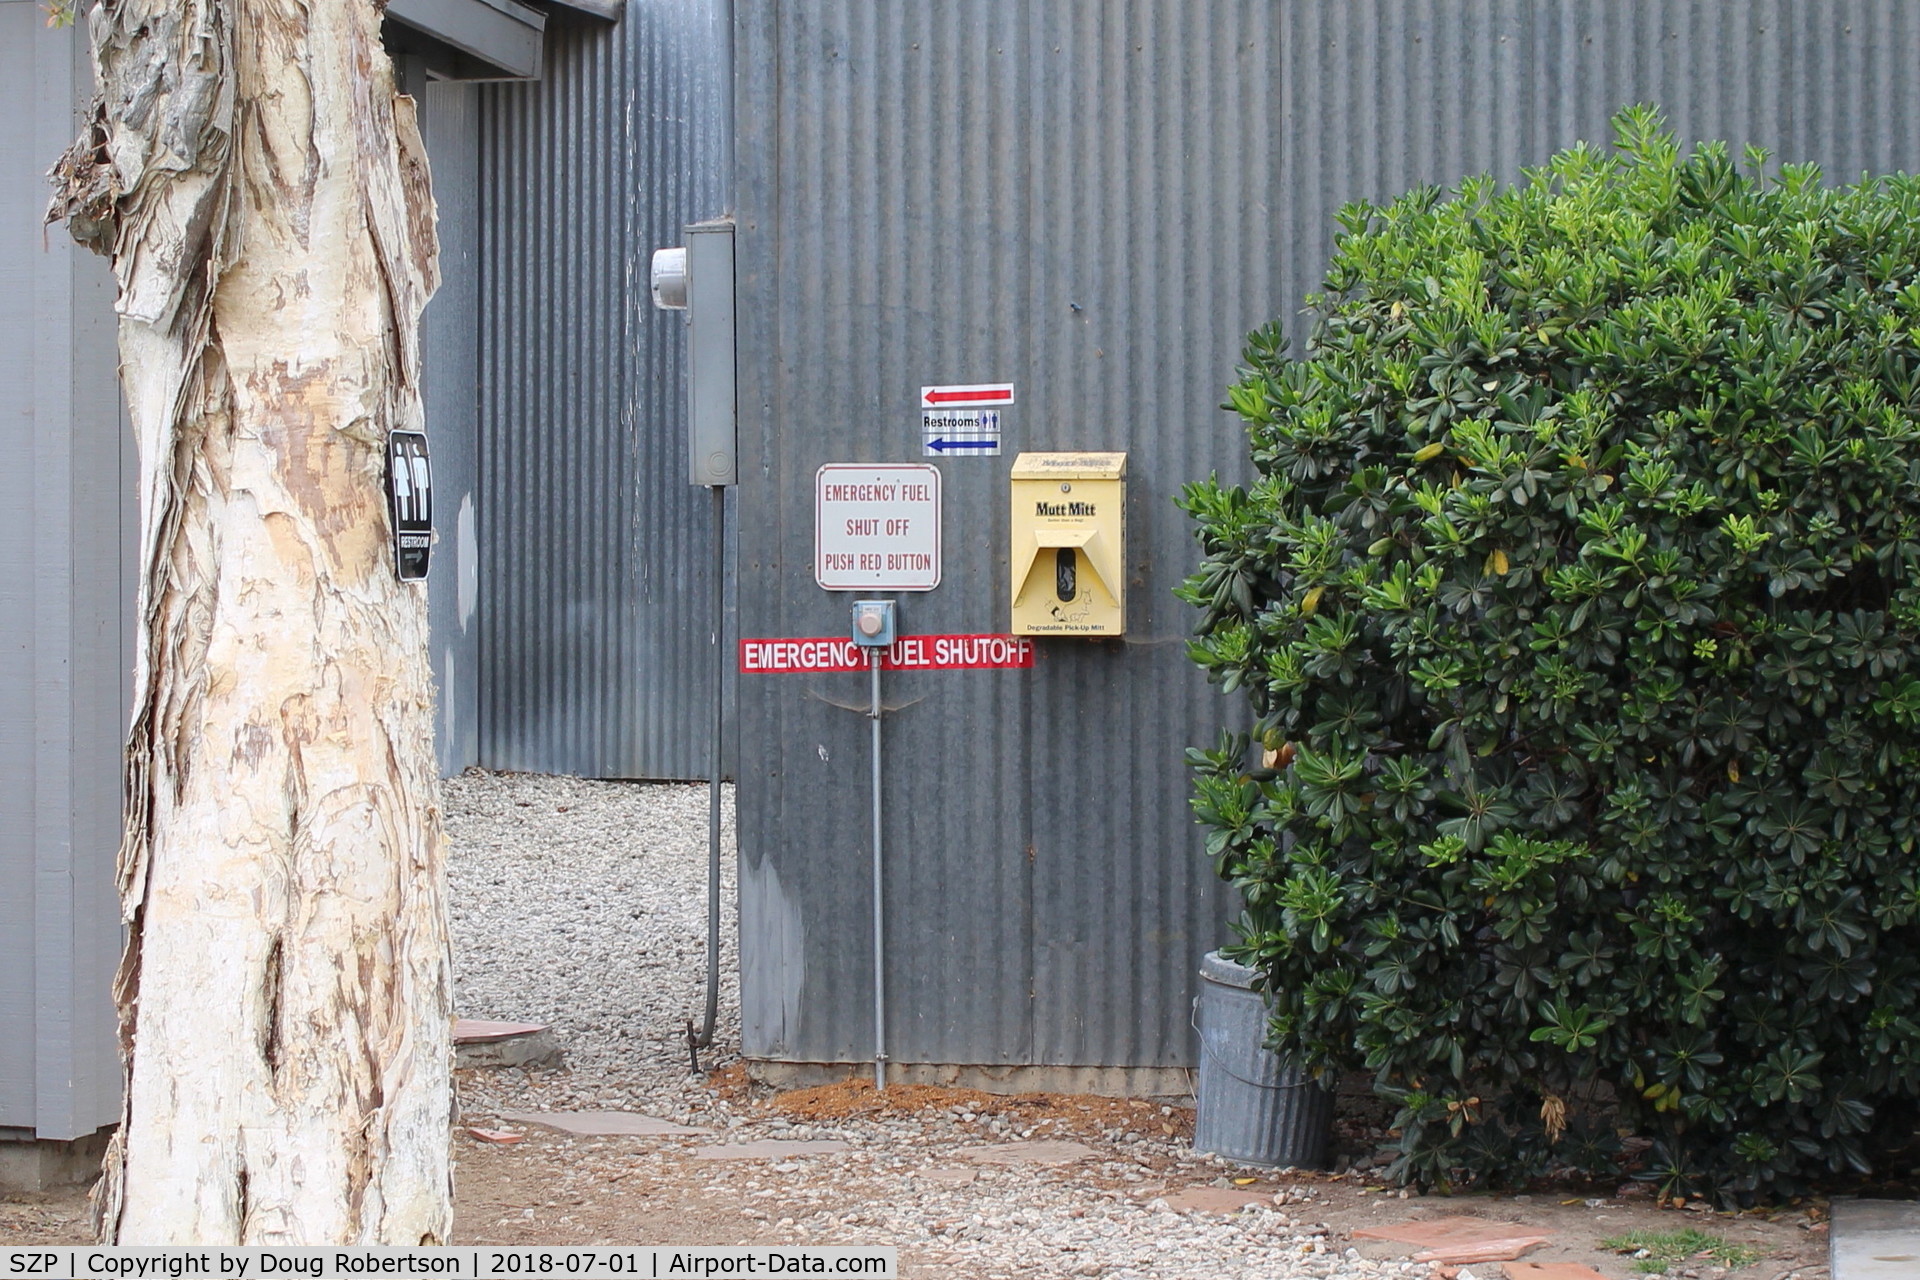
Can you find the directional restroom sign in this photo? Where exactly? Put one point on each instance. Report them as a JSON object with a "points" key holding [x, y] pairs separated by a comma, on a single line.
{"points": [[876, 527], [960, 433], [975, 395]]}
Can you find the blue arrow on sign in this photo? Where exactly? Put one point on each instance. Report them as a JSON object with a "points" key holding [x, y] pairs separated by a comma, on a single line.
{"points": [[943, 445]]}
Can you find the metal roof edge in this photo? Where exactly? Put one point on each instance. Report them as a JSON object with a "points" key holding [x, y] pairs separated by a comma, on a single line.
{"points": [[503, 35], [611, 10]]}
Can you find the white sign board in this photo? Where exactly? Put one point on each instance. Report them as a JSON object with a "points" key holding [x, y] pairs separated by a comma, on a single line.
{"points": [[959, 432], [876, 527]]}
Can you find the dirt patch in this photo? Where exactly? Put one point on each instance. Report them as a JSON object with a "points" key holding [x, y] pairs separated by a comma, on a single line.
{"points": [[1061, 1112], [907, 1174], [731, 1083], [61, 1216], [553, 1190], [909, 1181]]}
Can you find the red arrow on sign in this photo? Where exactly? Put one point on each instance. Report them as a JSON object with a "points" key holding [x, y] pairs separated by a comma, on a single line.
{"points": [[989, 393]]}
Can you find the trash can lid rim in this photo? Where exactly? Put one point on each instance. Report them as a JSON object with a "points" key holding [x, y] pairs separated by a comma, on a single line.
{"points": [[1215, 967]]}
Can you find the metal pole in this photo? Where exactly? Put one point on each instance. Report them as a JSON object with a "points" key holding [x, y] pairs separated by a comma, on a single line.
{"points": [[879, 918], [697, 1041], [714, 765]]}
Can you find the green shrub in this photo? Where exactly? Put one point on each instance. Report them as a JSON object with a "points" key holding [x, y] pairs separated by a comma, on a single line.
{"points": [[1578, 603]]}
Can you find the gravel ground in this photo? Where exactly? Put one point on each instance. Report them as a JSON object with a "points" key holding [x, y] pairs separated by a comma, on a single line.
{"points": [[582, 905], [909, 1184]]}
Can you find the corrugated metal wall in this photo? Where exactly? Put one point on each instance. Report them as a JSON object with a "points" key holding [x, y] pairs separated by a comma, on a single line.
{"points": [[1096, 199], [1069, 196], [66, 590], [1377, 96], [593, 586], [450, 352]]}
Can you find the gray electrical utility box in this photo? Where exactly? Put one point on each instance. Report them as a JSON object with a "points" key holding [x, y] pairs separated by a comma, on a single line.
{"points": [[710, 398]]}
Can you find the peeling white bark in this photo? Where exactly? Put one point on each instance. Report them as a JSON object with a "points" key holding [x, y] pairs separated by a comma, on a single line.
{"points": [[284, 997]]}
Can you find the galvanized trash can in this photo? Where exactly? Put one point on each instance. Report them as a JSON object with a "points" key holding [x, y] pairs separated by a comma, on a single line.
{"points": [[1251, 1105]]}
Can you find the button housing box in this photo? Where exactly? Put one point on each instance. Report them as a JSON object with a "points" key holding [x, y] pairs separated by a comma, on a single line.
{"points": [[875, 624]]}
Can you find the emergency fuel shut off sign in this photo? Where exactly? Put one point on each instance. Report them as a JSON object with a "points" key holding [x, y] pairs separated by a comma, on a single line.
{"points": [[876, 527]]}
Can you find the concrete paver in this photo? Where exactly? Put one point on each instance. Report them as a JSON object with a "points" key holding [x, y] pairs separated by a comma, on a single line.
{"points": [[1435, 1233], [481, 1030], [1875, 1240], [485, 1042], [1029, 1153], [1551, 1271], [770, 1149], [602, 1124], [1457, 1241], [1214, 1200], [1500, 1250]]}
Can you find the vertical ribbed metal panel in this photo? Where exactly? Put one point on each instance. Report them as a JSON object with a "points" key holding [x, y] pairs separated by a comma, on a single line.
{"points": [[593, 581], [450, 350], [1382, 95], [65, 615], [1096, 199], [1070, 196], [19, 739]]}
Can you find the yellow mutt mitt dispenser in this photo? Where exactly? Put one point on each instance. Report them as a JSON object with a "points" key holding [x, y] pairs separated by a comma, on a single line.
{"points": [[1068, 556]]}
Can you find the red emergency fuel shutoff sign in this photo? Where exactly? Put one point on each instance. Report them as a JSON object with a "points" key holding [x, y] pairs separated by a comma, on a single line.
{"points": [[909, 653]]}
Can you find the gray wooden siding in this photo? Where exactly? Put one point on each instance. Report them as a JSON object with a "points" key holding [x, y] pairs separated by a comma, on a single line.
{"points": [[65, 618]]}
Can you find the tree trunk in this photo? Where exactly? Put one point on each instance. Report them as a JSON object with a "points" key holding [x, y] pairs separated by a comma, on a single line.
{"points": [[284, 994]]}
